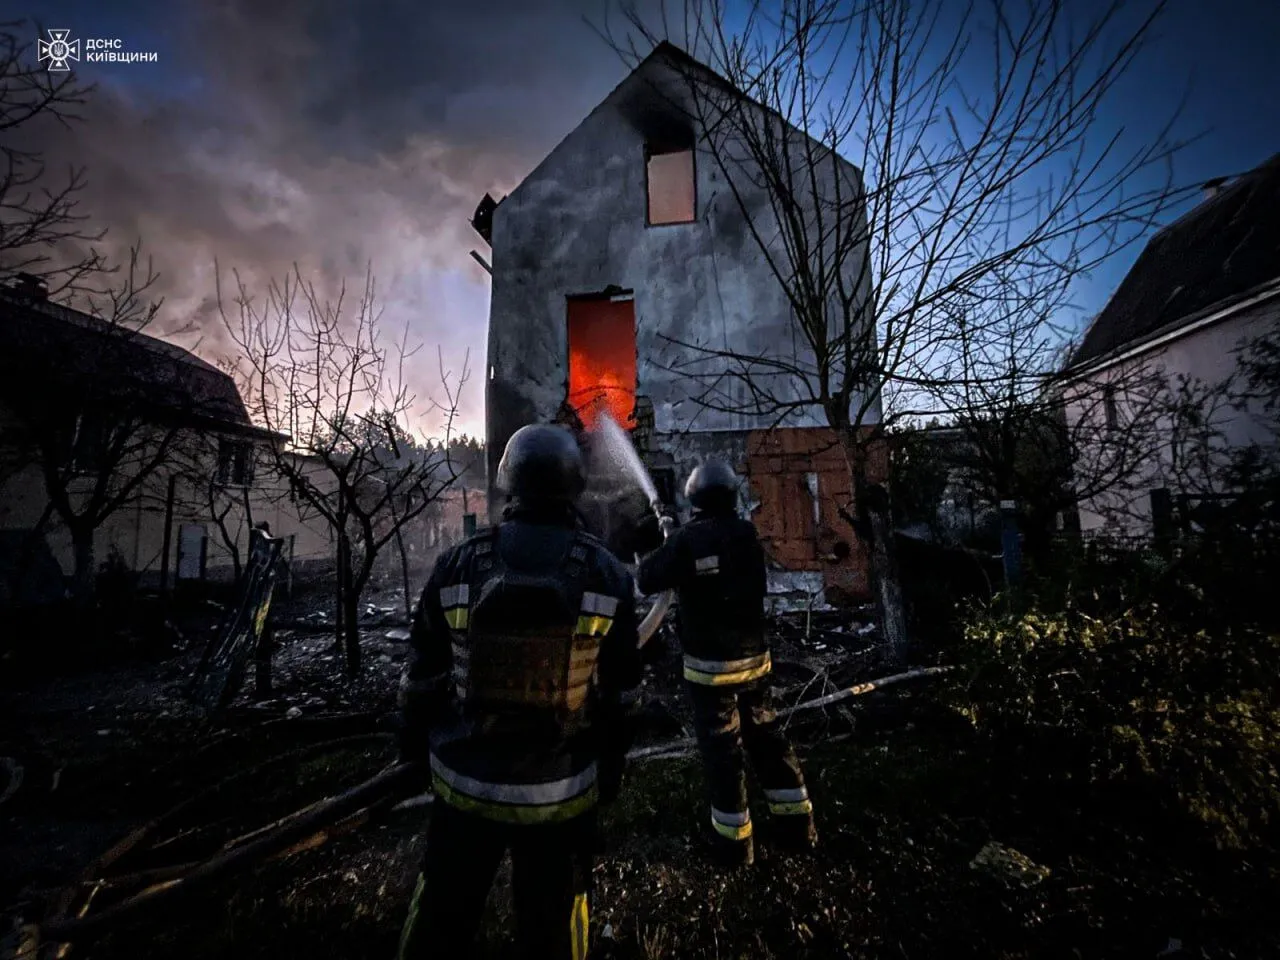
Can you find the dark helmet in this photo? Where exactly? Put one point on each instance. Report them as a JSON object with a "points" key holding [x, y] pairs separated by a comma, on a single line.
{"points": [[711, 484], [541, 462]]}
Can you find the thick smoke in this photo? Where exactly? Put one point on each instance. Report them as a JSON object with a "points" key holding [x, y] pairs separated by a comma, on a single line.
{"points": [[333, 135]]}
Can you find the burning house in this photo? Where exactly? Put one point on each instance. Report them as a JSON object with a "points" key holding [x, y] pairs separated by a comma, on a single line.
{"points": [[621, 261]]}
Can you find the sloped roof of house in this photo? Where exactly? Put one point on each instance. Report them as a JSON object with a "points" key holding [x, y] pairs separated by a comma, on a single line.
{"points": [[47, 344], [1217, 253]]}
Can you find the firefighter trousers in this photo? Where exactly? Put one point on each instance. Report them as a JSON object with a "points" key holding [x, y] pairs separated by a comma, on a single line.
{"points": [[736, 722], [551, 885]]}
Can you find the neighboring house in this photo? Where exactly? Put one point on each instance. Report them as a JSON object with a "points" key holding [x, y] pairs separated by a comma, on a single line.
{"points": [[1203, 289], [935, 496], [437, 528], [446, 521], [126, 417], [624, 243]]}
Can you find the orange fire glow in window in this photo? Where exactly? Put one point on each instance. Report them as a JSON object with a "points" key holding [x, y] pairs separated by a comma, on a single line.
{"points": [[602, 360]]}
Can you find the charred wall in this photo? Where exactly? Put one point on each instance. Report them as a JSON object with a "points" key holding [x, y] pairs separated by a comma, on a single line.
{"points": [[577, 226]]}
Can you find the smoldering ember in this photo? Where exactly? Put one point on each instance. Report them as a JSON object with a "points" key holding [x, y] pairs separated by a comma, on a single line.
{"points": [[887, 569]]}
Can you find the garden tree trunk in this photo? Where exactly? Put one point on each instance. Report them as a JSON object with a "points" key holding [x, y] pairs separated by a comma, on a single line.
{"points": [[872, 523], [339, 595], [884, 575], [404, 574], [262, 662], [82, 576], [350, 623]]}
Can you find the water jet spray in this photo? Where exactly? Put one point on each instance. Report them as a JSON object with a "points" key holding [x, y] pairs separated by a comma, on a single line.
{"points": [[617, 446]]}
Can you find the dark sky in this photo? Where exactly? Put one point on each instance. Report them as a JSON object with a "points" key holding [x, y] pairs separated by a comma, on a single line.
{"points": [[332, 133]]}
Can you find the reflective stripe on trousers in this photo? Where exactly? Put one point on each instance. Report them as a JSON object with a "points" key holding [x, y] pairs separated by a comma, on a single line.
{"points": [[735, 826], [549, 802], [792, 801], [579, 927], [714, 673], [415, 907], [551, 867]]}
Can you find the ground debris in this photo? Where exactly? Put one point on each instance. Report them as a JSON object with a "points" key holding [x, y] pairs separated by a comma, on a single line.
{"points": [[1005, 863], [902, 799]]}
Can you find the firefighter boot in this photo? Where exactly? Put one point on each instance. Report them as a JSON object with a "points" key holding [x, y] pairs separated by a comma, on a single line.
{"points": [[795, 833], [732, 854]]}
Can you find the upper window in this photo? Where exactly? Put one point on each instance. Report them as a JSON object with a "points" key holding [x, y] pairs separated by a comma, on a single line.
{"points": [[235, 463], [1110, 410], [669, 173], [89, 443]]}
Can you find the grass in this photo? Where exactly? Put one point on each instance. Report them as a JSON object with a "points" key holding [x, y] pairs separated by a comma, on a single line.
{"points": [[903, 809], [901, 816]]}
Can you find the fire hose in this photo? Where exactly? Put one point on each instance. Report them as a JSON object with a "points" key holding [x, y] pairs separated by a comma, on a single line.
{"points": [[658, 612]]}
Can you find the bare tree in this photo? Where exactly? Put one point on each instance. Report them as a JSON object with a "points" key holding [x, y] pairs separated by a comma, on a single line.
{"points": [[41, 224], [979, 159], [1029, 431], [223, 493], [319, 373], [96, 405], [91, 429], [1207, 446]]}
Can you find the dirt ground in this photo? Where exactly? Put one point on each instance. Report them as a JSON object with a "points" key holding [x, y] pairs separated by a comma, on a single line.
{"points": [[906, 802]]}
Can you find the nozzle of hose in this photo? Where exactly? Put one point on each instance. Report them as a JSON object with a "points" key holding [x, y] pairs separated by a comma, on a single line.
{"points": [[666, 522]]}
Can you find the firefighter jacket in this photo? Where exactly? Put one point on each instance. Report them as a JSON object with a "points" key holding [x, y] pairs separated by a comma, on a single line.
{"points": [[716, 565], [523, 649]]}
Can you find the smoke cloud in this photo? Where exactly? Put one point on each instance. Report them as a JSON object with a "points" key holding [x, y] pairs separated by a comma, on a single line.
{"points": [[333, 135]]}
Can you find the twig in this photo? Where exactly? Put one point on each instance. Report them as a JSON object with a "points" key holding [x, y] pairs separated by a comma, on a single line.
{"points": [[679, 748], [822, 675], [861, 688], [290, 837]]}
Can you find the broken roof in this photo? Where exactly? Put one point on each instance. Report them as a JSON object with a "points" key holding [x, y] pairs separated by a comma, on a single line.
{"points": [[44, 344], [681, 60], [1217, 253]]}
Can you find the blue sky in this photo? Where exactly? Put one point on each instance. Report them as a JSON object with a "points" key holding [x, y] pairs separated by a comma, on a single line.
{"points": [[334, 134]]}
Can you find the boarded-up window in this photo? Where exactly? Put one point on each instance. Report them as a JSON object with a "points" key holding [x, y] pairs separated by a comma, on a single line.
{"points": [[671, 186]]}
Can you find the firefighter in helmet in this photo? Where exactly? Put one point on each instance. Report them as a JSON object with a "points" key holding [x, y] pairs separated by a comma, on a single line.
{"points": [[523, 651], [716, 565]]}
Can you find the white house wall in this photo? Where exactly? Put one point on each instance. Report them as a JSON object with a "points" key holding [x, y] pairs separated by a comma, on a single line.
{"points": [[1209, 355], [135, 531]]}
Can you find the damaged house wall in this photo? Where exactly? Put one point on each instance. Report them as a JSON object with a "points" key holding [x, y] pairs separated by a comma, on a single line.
{"points": [[577, 228]]}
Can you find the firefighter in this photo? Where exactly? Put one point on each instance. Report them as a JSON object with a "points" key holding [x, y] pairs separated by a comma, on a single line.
{"points": [[716, 565], [523, 653]]}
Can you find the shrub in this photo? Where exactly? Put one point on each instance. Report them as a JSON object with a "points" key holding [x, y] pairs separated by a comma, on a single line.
{"points": [[1187, 715]]}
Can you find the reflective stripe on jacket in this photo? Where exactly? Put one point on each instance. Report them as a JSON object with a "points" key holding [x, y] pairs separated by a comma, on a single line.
{"points": [[548, 802], [716, 565], [513, 730]]}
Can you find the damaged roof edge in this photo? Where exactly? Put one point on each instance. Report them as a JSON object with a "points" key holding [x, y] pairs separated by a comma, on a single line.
{"points": [[679, 59], [482, 221]]}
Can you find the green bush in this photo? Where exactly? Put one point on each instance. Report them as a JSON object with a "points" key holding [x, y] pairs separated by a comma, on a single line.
{"points": [[1185, 716]]}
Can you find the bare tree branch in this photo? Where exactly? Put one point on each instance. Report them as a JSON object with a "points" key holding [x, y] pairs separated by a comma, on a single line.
{"points": [[316, 372], [981, 184]]}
